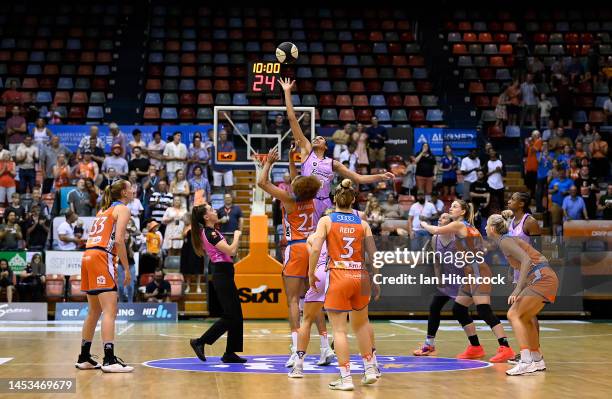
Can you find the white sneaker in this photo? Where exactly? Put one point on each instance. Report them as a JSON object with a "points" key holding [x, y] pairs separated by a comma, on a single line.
{"points": [[292, 359], [187, 289], [296, 372], [327, 356], [88, 363], [199, 290], [540, 365], [342, 384], [377, 369], [369, 377], [116, 366], [522, 368]]}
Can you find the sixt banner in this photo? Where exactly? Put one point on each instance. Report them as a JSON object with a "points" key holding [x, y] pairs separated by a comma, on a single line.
{"points": [[460, 140], [160, 312]]}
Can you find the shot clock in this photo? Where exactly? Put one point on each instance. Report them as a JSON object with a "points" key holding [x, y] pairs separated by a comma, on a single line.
{"points": [[262, 78]]}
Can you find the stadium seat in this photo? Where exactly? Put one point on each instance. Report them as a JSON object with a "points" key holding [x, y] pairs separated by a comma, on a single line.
{"points": [[434, 115], [55, 287], [176, 281], [187, 99], [170, 99], [186, 113], [240, 99], [95, 112], [74, 289], [329, 114], [204, 114], [382, 115], [169, 113], [399, 115], [343, 100], [80, 97], [377, 101], [347, 115], [416, 115], [364, 115], [43, 97], [223, 99]]}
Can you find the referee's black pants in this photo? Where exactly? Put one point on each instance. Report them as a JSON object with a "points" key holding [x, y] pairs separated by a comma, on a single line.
{"points": [[231, 317]]}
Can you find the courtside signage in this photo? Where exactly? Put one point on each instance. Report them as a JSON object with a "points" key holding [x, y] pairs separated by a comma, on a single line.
{"points": [[159, 312]]}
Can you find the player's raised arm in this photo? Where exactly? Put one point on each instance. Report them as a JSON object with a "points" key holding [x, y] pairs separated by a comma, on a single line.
{"points": [[296, 129], [264, 180], [360, 179]]}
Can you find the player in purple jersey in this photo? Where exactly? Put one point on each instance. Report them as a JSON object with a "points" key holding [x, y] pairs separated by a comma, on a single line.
{"points": [[523, 225], [314, 161]]}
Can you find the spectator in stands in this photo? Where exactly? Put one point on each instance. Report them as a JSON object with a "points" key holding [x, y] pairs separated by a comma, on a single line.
{"points": [[10, 232], [26, 159], [438, 204], [573, 170], [135, 206], [158, 290], [573, 206], [514, 102], [126, 293], [449, 165], [136, 186], [198, 156], [279, 126], [480, 195], [537, 69], [306, 124], [420, 211], [469, 166], [53, 116], [149, 184], [199, 185], [175, 155], [230, 218], [15, 206], [565, 157], [41, 133], [349, 158], [155, 149], [586, 136], [8, 186], [116, 161], [495, 180], [222, 173], [79, 200], [549, 132], [558, 142], [521, 54], [95, 195], [605, 204], [501, 109], [409, 178], [580, 152], [374, 215], [575, 70], [87, 142], [599, 153], [607, 108], [12, 96], [377, 135], [37, 200], [529, 101], [68, 237], [544, 108], [341, 138], [108, 178], [426, 169], [361, 138], [36, 226], [6, 279], [564, 92], [87, 168], [151, 258], [137, 141], [118, 138], [15, 130], [174, 220], [61, 173], [32, 279], [139, 163], [532, 146], [391, 209], [179, 187], [192, 265], [160, 200], [559, 187], [588, 189]]}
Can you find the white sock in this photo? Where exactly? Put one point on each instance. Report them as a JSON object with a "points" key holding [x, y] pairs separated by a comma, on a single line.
{"points": [[299, 362], [536, 356], [324, 341], [374, 359], [294, 338], [367, 361], [431, 341], [526, 356], [345, 371]]}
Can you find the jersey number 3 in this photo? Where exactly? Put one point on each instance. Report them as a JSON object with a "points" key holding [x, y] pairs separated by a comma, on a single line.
{"points": [[348, 246]]}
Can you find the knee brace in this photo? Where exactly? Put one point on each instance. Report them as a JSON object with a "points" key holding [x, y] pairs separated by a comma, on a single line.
{"points": [[486, 313], [462, 314]]}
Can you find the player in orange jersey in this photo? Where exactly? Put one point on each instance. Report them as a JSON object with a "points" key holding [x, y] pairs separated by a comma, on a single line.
{"points": [[298, 223], [348, 240], [105, 243], [469, 241], [537, 285]]}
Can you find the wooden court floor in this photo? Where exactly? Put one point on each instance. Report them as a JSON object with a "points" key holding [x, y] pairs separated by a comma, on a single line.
{"points": [[578, 356]]}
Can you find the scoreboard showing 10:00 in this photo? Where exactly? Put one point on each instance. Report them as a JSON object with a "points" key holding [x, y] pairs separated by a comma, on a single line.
{"points": [[262, 78]]}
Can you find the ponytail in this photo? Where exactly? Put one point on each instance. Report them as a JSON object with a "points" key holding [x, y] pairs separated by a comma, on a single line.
{"points": [[345, 194], [112, 192], [499, 223], [106, 198], [468, 207], [197, 215]]}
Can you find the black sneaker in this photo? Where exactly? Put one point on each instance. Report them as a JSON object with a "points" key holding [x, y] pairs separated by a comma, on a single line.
{"points": [[116, 365], [198, 349], [87, 362], [232, 358], [516, 359]]}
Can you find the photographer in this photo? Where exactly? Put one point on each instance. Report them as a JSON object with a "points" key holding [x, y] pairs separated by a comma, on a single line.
{"points": [[158, 290]]}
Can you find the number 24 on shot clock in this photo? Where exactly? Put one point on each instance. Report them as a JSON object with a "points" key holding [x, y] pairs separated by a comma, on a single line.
{"points": [[262, 78]]}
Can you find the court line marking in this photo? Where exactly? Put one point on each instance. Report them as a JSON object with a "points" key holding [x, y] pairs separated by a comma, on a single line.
{"points": [[124, 329], [419, 330], [4, 360], [51, 322]]}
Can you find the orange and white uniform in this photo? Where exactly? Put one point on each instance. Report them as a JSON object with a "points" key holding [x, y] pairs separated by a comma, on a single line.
{"points": [[541, 279], [348, 283], [87, 170], [297, 226], [99, 264]]}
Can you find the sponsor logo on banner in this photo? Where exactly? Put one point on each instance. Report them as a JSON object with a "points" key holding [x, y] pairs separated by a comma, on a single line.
{"points": [[23, 311], [167, 312], [63, 262], [261, 294], [16, 259], [460, 140]]}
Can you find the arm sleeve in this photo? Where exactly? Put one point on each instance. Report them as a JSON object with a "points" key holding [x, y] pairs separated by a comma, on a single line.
{"points": [[213, 237]]}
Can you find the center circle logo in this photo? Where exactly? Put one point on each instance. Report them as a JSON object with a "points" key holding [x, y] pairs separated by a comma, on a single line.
{"points": [[275, 364]]}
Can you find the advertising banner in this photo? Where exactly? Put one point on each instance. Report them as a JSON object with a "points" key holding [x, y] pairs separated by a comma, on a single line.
{"points": [[23, 311], [158, 312], [17, 260], [460, 140], [262, 296]]}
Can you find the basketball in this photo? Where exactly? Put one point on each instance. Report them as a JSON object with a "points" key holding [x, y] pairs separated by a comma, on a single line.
{"points": [[287, 53]]}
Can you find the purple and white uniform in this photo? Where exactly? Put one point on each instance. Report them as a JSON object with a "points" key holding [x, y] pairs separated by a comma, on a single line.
{"points": [[322, 169], [448, 269], [517, 231]]}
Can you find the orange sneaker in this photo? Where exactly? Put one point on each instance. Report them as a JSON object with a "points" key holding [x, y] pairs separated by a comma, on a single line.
{"points": [[425, 350], [503, 354], [472, 352]]}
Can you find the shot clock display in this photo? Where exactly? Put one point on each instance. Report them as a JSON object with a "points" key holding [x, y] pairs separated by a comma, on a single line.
{"points": [[262, 78]]}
